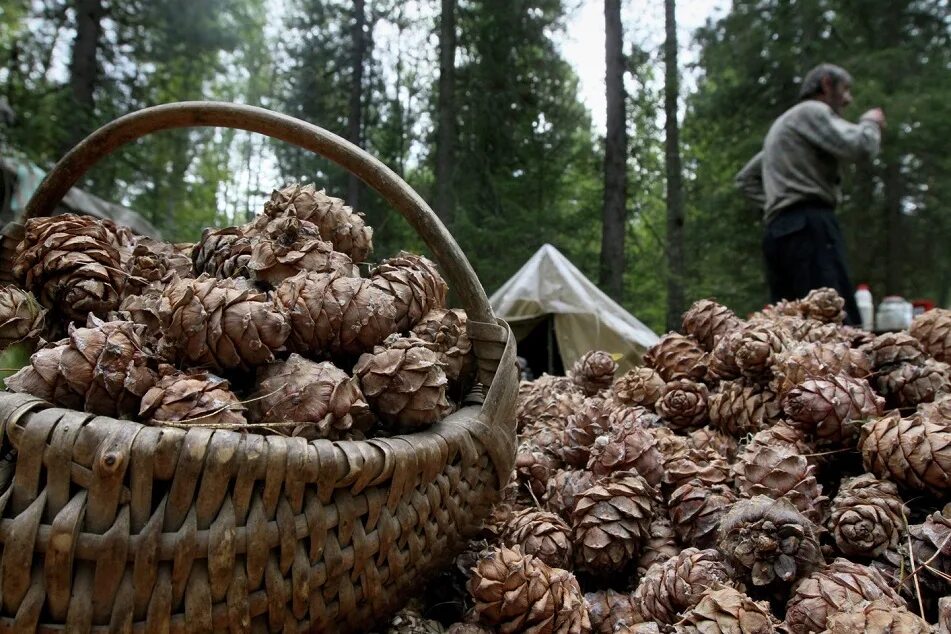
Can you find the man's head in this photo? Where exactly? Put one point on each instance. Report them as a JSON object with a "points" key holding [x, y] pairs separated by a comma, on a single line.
{"points": [[828, 83]]}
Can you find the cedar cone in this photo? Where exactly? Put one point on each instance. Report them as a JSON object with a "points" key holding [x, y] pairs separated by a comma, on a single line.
{"points": [[342, 226], [891, 348], [707, 466], [320, 398], [446, 328], [914, 451], [542, 534], [288, 246], [197, 397], [627, 448], [103, 368], [931, 542], [519, 593], [834, 588], [534, 467], [706, 320], [933, 330], [758, 346], [830, 408], [867, 516], [660, 546], [223, 253], [149, 261], [414, 285], [610, 611], [625, 415], [537, 404], [638, 386], [739, 409], [564, 488], [142, 309], [696, 510], [677, 357], [409, 621], [784, 436], [877, 617], [21, 316], [404, 382], [909, 384], [817, 360], [674, 586], [581, 429], [769, 542], [710, 437], [611, 522], [219, 324], [670, 445], [593, 372], [779, 472], [684, 404], [722, 359], [334, 314], [823, 304], [724, 609], [71, 264]]}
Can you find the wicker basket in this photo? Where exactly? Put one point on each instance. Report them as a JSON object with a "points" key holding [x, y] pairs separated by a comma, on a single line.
{"points": [[110, 525]]}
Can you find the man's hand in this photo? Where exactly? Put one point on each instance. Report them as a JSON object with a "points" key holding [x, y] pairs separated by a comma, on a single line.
{"points": [[876, 115]]}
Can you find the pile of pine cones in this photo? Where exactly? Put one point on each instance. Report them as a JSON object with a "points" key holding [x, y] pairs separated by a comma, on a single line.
{"points": [[783, 473], [254, 327]]}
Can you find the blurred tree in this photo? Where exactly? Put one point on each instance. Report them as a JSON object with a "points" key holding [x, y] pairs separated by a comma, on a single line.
{"points": [[614, 213]]}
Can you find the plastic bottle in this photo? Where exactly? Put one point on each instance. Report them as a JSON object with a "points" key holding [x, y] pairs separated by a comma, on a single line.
{"points": [[863, 297], [894, 313]]}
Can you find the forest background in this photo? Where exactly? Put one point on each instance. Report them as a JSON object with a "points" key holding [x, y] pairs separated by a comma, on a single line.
{"points": [[474, 103]]}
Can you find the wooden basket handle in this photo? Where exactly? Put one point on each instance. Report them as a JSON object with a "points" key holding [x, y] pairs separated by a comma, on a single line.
{"points": [[190, 114]]}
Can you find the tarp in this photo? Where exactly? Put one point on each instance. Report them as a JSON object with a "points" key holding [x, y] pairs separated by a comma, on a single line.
{"points": [[584, 317]]}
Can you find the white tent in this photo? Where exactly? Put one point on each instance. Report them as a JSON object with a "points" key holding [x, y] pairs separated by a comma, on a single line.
{"points": [[583, 317]]}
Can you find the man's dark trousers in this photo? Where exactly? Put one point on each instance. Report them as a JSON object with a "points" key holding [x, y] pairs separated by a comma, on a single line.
{"points": [[804, 250]]}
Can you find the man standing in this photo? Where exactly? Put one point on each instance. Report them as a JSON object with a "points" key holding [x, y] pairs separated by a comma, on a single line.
{"points": [[795, 180]]}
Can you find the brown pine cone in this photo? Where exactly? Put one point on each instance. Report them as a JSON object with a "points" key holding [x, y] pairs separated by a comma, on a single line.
{"points": [[519, 593], [593, 372], [782, 436], [676, 585], [223, 253], [547, 411], [757, 348], [542, 534], [404, 382], [71, 264], [627, 448], [909, 384], [769, 542], [677, 357], [823, 304], [334, 314], [670, 445], [563, 490], [831, 408], [149, 261], [712, 438], [21, 316], [696, 510], [288, 246], [739, 409], [779, 472], [446, 329], [660, 546], [197, 397], [320, 398], [468, 628], [414, 285], [610, 611], [933, 330], [931, 542], [684, 404], [409, 621], [877, 617], [626, 415], [104, 368], [707, 466], [345, 228], [219, 324], [891, 348], [706, 320], [611, 522], [836, 587], [141, 309], [724, 609], [534, 467], [722, 359], [914, 451], [638, 386], [868, 517], [581, 429], [817, 360]]}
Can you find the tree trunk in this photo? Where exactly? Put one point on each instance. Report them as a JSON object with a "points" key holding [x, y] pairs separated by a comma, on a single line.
{"points": [[446, 133], [358, 40], [614, 212], [83, 71], [893, 227], [675, 198]]}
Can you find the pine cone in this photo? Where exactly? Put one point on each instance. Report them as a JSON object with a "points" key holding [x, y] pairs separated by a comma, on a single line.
{"points": [[593, 372], [197, 397], [684, 404], [538, 405], [823, 304], [414, 285], [781, 436], [707, 466], [891, 348], [769, 542], [404, 382], [627, 415], [837, 587], [519, 593], [219, 324], [712, 438], [288, 246], [739, 409], [21, 316], [72, 266], [468, 628], [817, 360], [611, 522], [908, 384], [831, 408], [320, 398], [757, 348], [334, 314], [581, 429], [913, 451], [627, 448], [223, 253], [696, 510], [670, 445], [779, 472], [877, 617], [725, 610], [446, 329], [141, 309], [338, 223], [103, 368], [542, 534], [660, 546], [867, 516], [563, 490], [931, 542], [706, 320], [677, 357], [933, 330], [409, 621], [610, 611], [639, 386], [149, 261], [722, 359], [534, 467], [676, 585]]}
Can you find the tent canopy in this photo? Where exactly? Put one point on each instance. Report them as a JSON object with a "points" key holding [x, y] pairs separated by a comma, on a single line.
{"points": [[584, 318]]}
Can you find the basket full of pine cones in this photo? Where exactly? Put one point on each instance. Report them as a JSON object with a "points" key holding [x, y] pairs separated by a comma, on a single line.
{"points": [[244, 433]]}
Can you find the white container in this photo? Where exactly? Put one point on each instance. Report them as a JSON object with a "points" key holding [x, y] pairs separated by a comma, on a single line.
{"points": [[894, 313], [863, 297]]}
